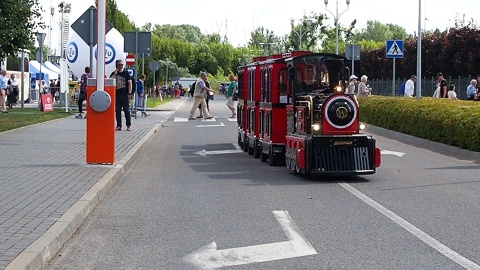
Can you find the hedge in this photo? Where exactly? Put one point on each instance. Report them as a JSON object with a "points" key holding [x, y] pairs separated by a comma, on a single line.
{"points": [[452, 122]]}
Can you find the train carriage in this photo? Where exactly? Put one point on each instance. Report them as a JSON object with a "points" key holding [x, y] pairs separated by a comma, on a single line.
{"points": [[242, 96], [251, 106], [273, 102]]}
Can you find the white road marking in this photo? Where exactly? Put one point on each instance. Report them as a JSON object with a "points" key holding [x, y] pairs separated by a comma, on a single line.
{"points": [[209, 257], [219, 125], [446, 251], [204, 153], [232, 119], [180, 119], [209, 120], [388, 152]]}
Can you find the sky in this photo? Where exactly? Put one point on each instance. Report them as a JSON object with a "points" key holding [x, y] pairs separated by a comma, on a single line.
{"points": [[237, 19]]}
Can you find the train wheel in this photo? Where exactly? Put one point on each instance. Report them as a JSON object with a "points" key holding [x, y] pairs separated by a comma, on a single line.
{"points": [[240, 143], [271, 158], [256, 152], [263, 157]]}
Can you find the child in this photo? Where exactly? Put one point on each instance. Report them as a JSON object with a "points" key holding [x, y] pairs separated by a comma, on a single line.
{"points": [[451, 92]]}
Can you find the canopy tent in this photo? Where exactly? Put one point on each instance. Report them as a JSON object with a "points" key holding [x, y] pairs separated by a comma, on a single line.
{"points": [[48, 73], [51, 67], [34, 71]]}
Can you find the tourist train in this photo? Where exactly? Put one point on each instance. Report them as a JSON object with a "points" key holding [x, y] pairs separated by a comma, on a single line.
{"points": [[292, 111]]}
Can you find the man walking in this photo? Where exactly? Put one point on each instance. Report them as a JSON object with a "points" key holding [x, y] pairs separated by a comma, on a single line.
{"points": [[83, 92], [3, 90], [199, 97], [410, 86], [123, 94]]}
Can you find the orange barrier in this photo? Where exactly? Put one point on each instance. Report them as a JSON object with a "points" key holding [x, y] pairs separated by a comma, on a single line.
{"points": [[100, 122]]}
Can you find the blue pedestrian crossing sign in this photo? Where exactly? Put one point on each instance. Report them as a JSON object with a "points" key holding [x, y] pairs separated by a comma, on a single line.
{"points": [[394, 49]]}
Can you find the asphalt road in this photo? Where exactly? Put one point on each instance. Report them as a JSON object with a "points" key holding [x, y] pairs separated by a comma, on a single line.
{"points": [[191, 188]]}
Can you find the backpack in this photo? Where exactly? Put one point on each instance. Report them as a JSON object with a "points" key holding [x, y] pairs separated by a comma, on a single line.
{"points": [[401, 89]]}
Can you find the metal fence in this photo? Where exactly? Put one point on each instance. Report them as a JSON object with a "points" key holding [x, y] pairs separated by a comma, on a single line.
{"points": [[384, 87]]}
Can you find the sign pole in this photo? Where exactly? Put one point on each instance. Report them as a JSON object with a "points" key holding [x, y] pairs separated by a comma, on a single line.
{"points": [[143, 63], [22, 83], [393, 78], [353, 60], [154, 85]]}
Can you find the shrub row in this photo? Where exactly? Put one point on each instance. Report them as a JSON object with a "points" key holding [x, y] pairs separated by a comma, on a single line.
{"points": [[452, 122]]}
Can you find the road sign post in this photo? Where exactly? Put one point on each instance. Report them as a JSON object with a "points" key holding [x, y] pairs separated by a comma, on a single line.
{"points": [[138, 42], [154, 66], [352, 52], [394, 50]]}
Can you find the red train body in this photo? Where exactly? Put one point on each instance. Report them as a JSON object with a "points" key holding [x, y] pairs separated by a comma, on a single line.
{"points": [[292, 111]]}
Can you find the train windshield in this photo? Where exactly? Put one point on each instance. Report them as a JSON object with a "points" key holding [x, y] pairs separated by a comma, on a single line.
{"points": [[316, 74]]}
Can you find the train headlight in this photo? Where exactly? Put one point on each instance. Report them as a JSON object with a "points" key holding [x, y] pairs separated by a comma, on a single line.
{"points": [[316, 127], [362, 126], [338, 89]]}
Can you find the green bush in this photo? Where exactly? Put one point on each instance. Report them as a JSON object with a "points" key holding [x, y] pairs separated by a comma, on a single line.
{"points": [[452, 122]]}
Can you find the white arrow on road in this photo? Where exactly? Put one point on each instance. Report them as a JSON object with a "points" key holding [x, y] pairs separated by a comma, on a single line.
{"points": [[219, 125], [209, 257], [393, 153], [204, 153]]}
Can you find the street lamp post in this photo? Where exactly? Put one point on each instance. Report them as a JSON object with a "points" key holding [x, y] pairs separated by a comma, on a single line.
{"points": [[301, 33], [166, 63], [336, 17], [419, 51], [262, 44]]}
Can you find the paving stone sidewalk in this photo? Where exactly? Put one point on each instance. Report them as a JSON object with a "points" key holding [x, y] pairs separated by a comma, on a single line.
{"points": [[43, 173]]}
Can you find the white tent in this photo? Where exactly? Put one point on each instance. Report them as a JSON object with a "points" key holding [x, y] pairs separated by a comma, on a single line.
{"points": [[51, 74], [52, 67]]}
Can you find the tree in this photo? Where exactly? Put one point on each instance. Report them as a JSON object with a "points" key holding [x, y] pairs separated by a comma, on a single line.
{"points": [[328, 42], [259, 36], [312, 33], [18, 25], [118, 19], [379, 32], [398, 32], [184, 32]]}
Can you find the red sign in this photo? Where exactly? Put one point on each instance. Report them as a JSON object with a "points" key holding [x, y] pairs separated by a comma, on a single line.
{"points": [[130, 60], [47, 102]]}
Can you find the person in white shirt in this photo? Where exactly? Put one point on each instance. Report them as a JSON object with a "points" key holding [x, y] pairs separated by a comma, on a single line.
{"points": [[363, 89], [410, 86], [351, 85], [451, 92]]}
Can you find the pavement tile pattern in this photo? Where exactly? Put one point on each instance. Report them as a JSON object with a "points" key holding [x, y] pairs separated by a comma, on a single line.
{"points": [[43, 173]]}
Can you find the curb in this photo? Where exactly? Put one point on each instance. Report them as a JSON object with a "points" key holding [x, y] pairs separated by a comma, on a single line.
{"points": [[42, 250]]}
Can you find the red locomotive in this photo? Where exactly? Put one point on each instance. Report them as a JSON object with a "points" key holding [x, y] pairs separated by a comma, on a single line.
{"points": [[292, 111]]}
